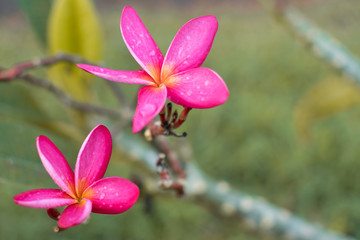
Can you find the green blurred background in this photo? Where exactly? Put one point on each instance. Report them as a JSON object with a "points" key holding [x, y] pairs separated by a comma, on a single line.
{"points": [[251, 141]]}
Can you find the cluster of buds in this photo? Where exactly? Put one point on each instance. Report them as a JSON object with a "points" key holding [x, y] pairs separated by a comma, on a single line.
{"points": [[55, 215], [169, 120], [166, 182]]}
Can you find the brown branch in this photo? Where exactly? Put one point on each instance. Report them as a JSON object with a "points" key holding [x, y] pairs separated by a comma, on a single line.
{"points": [[82, 106], [18, 71], [19, 68]]}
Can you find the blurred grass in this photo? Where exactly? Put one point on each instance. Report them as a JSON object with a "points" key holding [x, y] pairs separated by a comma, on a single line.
{"points": [[250, 141]]}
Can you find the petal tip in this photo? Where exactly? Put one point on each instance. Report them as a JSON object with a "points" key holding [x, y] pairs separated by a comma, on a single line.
{"points": [[137, 126]]}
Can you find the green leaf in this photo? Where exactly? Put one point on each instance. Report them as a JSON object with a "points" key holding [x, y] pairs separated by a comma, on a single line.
{"points": [[326, 98], [74, 28], [37, 14]]}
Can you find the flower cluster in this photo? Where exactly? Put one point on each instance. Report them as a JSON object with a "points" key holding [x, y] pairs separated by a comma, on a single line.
{"points": [[177, 77]]}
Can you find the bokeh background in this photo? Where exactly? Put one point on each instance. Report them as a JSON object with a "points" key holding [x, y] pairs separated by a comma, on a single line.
{"points": [[255, 141]]}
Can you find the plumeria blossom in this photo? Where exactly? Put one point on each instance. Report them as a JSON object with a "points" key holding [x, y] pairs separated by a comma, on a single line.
{"points": [[177, 76], [86, 190]]}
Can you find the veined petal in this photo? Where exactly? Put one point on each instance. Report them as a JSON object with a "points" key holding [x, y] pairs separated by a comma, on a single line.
{"points": [[140, 43], [134, 77], [150, 102], [197, 88], [75, 214], [190, 46], [56, 165], [44, 198], [93, 158], [112, 195]]}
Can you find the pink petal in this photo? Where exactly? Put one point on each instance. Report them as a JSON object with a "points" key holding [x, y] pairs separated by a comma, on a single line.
{"points": [[43, 198], [190, 46], [140, 43], [134, 77], [93, 158], [197, 88], [75, 214], [150, 102], [112, 195], [56, 165]]}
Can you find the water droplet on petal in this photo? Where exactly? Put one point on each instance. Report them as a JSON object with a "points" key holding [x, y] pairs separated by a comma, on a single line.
{"points": [[202, 99], [102, 196], [152, 53], [206, 83], [189, 93], [117, 194], [188, 37]]}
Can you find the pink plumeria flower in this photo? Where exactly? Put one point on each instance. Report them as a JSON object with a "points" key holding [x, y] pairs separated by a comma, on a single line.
{"points": [[85, 191], [177, 77]]}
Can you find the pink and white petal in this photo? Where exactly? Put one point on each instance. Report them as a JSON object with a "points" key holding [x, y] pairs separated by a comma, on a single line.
{"points": [[190, 45], [93, 158], [140, 43], [197, 88], [56, 165], [150, 102], [133, 77], [44, 198], [112, 195], [75, 214]]}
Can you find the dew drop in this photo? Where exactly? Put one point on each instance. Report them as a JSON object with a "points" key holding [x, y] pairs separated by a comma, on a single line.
{"points": [[117, 194], [189, 93], [202, 99], [110, 205], [152, 53], [206, 83], [197, 87], [188, 37], [102, 196]]}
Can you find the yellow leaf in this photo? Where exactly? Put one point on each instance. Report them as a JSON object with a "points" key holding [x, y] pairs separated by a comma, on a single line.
{"points": [[73, 27], [326, 98]]}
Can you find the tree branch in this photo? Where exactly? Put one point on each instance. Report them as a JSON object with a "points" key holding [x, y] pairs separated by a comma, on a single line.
{"points": [[323, 45], [257, 213], [18, 71]]}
